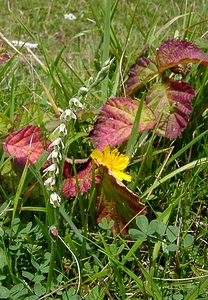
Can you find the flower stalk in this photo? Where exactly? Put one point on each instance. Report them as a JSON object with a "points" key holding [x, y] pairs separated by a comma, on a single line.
{"points": [[57, 146]]}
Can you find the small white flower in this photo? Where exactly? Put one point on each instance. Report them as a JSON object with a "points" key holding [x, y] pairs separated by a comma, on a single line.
{"points": [[56, 143], [68, 115], [70, 17], [55, 199], [52, 168], [61, 129], [26, 45], [74, 103], [55, 155], [50, 182]]}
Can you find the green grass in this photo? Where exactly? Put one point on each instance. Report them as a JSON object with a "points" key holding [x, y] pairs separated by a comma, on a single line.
{"points": [[170, 177]]}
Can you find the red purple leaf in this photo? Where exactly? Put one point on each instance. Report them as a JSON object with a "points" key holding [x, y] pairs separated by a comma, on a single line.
{"points": [[4, 56], [171, 103], [142, 72], [84, 179], [115, 122], [116, 201], [174, 52], [25, 144]]}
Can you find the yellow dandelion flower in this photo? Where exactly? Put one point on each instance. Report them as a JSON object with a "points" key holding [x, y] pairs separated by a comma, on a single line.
{"points": [[114, 161]]}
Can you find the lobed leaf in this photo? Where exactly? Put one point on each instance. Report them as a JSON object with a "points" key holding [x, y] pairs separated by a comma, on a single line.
{"points": [[174, 52], [82, 181], [25, 144], [140, 74], [117, 202], [171, 103], [115, 122]]}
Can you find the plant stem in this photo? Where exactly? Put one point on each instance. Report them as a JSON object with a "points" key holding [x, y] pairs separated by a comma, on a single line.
{"points": [[51, 266], [52, 220]]}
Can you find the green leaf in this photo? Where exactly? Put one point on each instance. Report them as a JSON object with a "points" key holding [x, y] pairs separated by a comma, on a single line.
{"points": [[39, 289], [2, 277], [3, 259], [152, 227], [104, 224], [156, 226], [66, 297], [113, 249], [35, 264], [28, 275], [18, 292], [70, 294], [171, 247], [177, 297], [188, 240], [137, 234], [87, 267], [143, 223], [96, 294], [172, 233], [39, 278], [160, 229], [4, 292], [35, 297]]}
